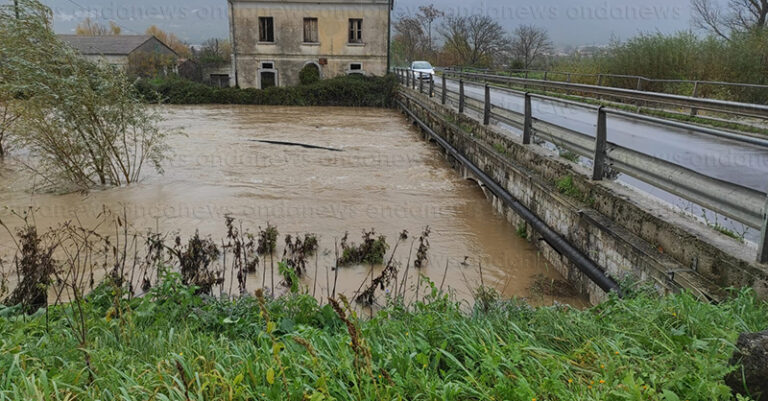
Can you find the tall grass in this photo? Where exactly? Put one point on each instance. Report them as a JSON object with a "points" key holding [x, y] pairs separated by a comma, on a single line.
{"points": [[681, 56], [175, 345]]}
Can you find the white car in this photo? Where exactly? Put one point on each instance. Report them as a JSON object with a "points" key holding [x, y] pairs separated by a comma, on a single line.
{"points": [[423, 67]]}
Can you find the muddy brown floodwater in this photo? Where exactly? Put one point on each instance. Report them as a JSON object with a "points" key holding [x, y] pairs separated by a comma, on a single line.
{"points": [[384, 177]]}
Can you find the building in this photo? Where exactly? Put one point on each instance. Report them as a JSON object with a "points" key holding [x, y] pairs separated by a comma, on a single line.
{"points": [[117, 50], [273, 40]]}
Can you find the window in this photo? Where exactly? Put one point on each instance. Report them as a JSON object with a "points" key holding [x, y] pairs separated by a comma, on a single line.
{"points": [[355, 31], [266, 29], [355, 68], [267, 65], [310, 30], [220, 80]]}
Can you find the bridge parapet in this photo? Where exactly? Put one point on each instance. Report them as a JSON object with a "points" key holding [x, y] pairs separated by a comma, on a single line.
{"points": [[622, 231]]}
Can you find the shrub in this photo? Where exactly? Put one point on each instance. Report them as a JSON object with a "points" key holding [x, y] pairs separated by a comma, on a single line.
{"points": [[84, 122], [681, 56], [354, 91], [309, 74]]}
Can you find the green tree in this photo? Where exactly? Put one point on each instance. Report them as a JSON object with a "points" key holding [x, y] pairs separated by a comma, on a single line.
{"points": [[84, 123]]}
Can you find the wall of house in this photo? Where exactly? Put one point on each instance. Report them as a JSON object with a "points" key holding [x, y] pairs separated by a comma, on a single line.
{"points": [[116, 61], [154, 45], [290, 54]]}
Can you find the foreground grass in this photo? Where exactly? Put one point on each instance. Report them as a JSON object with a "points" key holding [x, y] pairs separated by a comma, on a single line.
{"points": [[173, 345]]}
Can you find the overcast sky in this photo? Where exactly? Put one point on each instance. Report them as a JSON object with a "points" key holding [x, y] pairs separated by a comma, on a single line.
{"points": [[569, 22]]}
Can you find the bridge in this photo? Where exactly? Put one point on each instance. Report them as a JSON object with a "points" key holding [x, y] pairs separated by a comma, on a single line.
{"points": [[610, 193]]}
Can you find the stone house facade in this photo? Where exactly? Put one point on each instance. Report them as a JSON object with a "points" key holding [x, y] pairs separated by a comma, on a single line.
{"points": [[273, 40]]}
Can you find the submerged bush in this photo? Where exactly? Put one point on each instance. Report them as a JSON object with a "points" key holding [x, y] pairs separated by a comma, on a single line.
{"points": [[353, 90]]}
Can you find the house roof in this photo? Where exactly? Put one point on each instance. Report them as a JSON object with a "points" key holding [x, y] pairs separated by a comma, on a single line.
{"points": [[108, 44]]}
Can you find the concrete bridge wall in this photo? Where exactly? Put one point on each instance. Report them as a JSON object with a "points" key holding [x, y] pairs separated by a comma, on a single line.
{"points": [[628, 234]]}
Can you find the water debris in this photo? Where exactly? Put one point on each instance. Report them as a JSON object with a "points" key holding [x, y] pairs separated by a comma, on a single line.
{"points": [[303, 145]]}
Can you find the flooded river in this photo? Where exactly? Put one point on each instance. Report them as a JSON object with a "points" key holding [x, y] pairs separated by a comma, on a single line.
{"points": [[372, 171]]}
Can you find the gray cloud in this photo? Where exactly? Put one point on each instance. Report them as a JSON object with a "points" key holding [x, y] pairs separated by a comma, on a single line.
{"points": [[569, 22]]}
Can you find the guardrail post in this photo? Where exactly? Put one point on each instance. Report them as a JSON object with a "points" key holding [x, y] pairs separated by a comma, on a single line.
{"points": [[601, 138], [487, 110], [695, 111], [599, 79], [431, 86], [421, 82], [461, 96], [639, 83], [444, 94], [545, 75], [408, 78], [762, 250], [528, 121]]}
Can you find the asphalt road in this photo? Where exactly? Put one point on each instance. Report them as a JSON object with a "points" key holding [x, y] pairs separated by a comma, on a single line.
{"points": [[737, 162]]}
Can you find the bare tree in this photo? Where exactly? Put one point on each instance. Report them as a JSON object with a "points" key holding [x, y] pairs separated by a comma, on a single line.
{"points": [[529, 43], [89, 27], [737, 16], [410, 37], [215, 51], [474, 40], [428, 15]]}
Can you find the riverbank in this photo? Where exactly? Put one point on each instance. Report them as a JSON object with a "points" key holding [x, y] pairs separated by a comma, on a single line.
{"points": [[175, 345], [350, 91]]}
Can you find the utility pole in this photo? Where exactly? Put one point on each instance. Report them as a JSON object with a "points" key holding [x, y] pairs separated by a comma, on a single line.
{"points": [[16, 7], [390, 7], [233, 39]]}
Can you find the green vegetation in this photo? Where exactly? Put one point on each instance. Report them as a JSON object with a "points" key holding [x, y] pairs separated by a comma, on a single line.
{"points": [[568, 155], [309, 74], [353, 90], [726, 231], [566, 187], [682, 56], [370, 252], [175, 345], [464, 126], [500, 148], [83, 123], [522, 230]]}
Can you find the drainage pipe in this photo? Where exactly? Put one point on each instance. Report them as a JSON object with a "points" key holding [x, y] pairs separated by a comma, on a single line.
{"points": [[556, 241]]}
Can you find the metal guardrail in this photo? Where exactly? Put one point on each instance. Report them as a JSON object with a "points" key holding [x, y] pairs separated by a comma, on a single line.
{"points": [[737, 202], [690, 102], [600, 79]]}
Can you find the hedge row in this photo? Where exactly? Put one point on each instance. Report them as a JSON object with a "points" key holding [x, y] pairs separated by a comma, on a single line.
{"points": [[351, 91]]}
